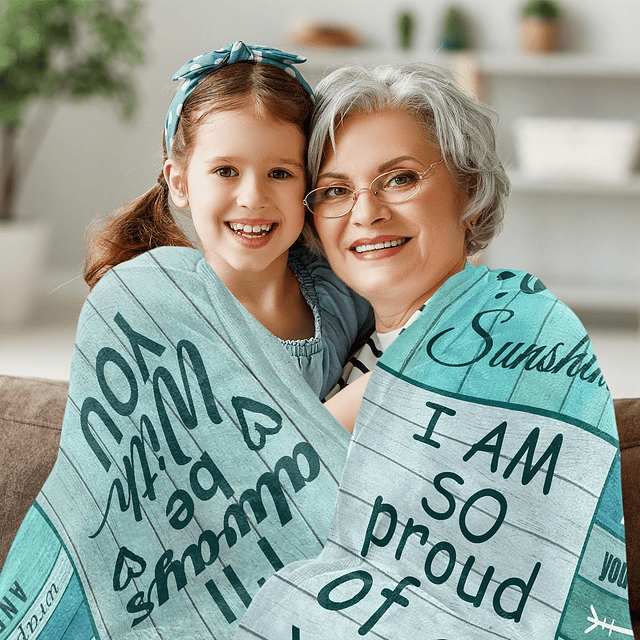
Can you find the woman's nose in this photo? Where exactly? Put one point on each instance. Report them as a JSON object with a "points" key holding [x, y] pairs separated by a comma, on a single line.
{"points": [[252, 194], [368, 209]]}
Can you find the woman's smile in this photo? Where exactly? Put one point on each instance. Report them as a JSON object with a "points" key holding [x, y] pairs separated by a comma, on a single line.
{"points": [[378, 247]]}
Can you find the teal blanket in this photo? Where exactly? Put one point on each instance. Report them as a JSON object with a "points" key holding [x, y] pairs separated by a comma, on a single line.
{"points": [[481, 495], [194, 462]]}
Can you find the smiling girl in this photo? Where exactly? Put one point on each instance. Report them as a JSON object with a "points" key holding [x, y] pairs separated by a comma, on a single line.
{"points": [[235, 154], [185, 396]]}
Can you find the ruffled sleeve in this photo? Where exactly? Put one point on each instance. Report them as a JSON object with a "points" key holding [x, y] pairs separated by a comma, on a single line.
{"points": [[342, 318]]}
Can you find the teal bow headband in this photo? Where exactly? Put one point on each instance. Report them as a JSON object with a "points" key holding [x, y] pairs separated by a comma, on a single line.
{"points": [[195, 70]]}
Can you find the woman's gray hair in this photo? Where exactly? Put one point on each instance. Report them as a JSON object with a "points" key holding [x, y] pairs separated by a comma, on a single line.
{"points": [[454, 120]]}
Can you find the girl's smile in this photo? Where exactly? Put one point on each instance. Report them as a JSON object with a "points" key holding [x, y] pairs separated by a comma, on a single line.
{"points": [[252, 233], [251, 228]]}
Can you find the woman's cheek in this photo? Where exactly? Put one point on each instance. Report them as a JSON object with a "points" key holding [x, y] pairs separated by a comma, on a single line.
{"points": [[329, 233]]}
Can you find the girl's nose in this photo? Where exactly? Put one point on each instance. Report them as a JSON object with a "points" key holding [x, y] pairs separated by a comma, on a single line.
{"points": [[252, 194], [368, 209]]}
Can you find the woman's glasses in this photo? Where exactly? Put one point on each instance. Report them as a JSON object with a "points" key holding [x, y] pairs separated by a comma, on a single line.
{"points": [[392, 187]]}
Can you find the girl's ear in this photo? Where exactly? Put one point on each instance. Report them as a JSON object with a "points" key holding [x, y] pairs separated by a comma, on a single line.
{"points": [[177, 185]]}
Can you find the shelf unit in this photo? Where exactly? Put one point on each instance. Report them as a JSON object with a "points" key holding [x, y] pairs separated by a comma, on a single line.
{"points": [[490, 66], [581, 238], [494, 64], [625, 189]]}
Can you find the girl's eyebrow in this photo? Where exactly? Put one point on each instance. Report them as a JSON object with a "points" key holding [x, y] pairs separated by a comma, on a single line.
{"points": [[385, 166], [221, 160], [293, 163], [236, 160]]}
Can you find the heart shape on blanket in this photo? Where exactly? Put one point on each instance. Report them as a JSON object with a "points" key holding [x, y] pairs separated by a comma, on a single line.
{"points": [[243, 406], [139, 566]]}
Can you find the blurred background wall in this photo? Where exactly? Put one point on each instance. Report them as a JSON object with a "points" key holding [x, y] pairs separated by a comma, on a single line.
{"points": [[89, 163]]}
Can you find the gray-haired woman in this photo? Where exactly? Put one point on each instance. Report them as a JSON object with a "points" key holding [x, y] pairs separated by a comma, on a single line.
{"points": [[481, 494]]}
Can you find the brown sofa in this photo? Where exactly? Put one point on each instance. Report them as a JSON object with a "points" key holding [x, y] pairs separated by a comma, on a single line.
{"points": [[31, 412]]}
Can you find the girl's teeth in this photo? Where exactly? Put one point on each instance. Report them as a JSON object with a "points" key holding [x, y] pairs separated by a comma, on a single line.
{"points": [[244, 229], [380, 245]]}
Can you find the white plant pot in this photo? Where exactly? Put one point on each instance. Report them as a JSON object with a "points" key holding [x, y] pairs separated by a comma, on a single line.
{"points": [[22, 252]]}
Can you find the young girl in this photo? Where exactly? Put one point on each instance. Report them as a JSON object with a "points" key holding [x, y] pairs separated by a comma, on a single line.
{"points": [[234, 154], [194, 459]]}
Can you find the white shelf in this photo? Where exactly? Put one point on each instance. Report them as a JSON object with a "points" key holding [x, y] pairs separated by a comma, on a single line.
{"points": [[522, 184], [493, 64], [559, 65], [325, 60]]}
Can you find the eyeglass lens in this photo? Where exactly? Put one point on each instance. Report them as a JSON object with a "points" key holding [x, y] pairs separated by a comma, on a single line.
{"points": [[392, 187]]}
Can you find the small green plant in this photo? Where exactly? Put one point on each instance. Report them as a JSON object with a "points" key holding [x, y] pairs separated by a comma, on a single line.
{"points": [[72, 49], [454, 32], [544, 9], [406, 27]]}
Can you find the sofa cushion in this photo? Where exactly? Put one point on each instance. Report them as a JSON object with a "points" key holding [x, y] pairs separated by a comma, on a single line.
{"points": [[628, 421], [31, 412]]}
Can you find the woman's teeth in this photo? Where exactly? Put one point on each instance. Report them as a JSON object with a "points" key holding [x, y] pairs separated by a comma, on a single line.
{"points": [[251, 231], [380, 245]]}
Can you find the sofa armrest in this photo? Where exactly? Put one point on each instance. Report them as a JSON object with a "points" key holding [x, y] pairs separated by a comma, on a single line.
{"points": [[31, 413], [628, 421]]}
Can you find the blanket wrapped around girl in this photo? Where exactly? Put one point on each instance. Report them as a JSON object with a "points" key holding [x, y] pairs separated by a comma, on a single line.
{"points": [[196, 458]]}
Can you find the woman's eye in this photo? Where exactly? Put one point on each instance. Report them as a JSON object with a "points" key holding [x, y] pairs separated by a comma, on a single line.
{"points": [[399, 180], [226, 172], [331, 193], [279, 174]]}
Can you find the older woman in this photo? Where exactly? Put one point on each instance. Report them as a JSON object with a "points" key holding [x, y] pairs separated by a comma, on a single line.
{"points": [[481, 494], [420, 220]]}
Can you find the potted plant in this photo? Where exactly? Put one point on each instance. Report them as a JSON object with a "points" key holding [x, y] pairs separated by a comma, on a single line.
{"points": [[406, 28], [453, 36], [52, 49], [540, 26]]}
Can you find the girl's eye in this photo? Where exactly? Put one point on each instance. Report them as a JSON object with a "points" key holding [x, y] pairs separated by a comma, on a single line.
{"points": [[279, 174], [226, 172]]}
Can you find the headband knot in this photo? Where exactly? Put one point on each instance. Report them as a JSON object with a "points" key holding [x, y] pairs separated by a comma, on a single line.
{"points": [[193, 72]]}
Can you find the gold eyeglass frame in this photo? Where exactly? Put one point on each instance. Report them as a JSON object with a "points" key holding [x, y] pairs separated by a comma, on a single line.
{"points": [[354, 194]]}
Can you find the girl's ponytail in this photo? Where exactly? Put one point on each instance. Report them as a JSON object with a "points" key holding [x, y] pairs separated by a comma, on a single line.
{"points": [[141, 225]]}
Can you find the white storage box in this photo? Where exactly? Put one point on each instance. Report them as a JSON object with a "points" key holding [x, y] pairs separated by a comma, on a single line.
{"points": [[576, 149]]}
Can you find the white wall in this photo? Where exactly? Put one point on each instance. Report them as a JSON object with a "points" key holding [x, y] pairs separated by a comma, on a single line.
{"points": [[89, 162]]}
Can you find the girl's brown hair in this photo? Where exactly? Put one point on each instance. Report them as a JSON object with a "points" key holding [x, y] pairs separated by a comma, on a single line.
{"points": [[148, 222]]}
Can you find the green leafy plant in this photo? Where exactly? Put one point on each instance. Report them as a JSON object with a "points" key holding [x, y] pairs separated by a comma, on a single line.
{"points": [[544, 9], [70, 49], [454, 33], [406, 27]]}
